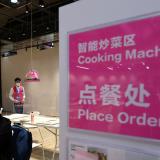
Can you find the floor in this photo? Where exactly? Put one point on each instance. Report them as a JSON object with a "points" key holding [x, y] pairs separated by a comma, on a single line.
{"points": [[48, 141]]}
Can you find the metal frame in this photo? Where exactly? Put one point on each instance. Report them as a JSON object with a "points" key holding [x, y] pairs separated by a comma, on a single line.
{"points": [[42, 17]]}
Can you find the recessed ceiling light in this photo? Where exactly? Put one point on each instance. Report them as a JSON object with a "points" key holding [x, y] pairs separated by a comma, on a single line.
{"points": [[41, 3], [27, 10], [14, 1]]}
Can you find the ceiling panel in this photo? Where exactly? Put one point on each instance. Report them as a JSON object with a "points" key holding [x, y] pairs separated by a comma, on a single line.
{"points": [[15, 24]]}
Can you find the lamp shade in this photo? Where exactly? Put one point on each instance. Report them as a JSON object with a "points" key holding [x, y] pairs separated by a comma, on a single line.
{"points": [[32, 75]]}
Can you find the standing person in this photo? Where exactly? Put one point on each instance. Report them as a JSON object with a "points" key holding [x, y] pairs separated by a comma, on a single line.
{"points": [[17, 95]]}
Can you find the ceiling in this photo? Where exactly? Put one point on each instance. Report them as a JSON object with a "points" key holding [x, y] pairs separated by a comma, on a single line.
{"points": [[15, 23]]}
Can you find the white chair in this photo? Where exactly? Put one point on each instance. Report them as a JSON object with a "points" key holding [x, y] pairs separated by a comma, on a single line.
{"points": [[35, 144]]}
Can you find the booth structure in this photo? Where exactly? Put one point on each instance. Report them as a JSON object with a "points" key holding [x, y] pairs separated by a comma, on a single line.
{"points": [[109, 83]]}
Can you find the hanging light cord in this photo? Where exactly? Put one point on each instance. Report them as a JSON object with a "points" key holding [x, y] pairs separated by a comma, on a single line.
{"points": [[31, 35]]}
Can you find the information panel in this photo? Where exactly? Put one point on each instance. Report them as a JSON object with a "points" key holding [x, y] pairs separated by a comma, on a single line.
{"points": [[84, 150], [114, 78]]}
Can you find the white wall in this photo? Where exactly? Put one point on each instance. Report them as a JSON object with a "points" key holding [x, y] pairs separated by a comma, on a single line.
{"points": [[86, 13], [40, 96]]}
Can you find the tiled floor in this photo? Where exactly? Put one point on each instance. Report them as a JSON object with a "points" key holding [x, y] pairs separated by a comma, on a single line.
{"points": [[48, 145]]}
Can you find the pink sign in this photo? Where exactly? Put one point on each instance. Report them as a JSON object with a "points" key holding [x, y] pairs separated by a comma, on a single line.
{"points": [[114, 79]]}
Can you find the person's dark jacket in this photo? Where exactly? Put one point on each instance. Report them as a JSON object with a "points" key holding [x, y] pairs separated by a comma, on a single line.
{"points": [[21, 143]]}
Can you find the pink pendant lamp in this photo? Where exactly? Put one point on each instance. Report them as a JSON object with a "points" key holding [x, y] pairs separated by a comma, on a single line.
{"points": [[32, 75]]}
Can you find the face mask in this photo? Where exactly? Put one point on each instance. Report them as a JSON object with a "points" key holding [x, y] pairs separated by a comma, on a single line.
{"points": [[17, 84]]}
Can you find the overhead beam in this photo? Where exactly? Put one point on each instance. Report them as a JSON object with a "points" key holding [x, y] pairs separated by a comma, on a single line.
{"points": [[40, 9], [15, 18], [45, 9], [4, 5]]}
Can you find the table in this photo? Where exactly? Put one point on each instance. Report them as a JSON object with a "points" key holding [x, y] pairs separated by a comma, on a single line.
{"points": [[46, 122]]}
